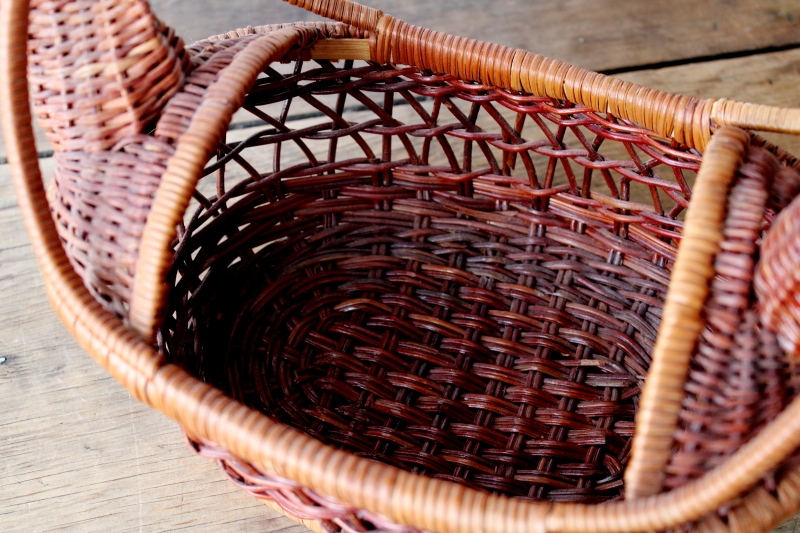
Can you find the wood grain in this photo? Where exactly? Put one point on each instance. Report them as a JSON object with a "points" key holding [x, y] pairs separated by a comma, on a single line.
{"points": [[596, 34]]}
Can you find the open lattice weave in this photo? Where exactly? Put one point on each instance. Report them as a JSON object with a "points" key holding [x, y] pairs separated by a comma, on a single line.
{"points": [[450, 278]]}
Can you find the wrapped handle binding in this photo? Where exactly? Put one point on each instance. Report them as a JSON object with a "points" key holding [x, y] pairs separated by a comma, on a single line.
{"points": [[687, 120], [351, 13]]}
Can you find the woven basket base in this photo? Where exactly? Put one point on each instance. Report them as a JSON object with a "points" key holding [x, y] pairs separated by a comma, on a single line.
{"points": [[403, 274], [465, 350]]}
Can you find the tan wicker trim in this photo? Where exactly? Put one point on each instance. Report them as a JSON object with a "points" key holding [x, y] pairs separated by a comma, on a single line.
{"points": [[761, 509], [328, 30], [738, 379], [348, 12], [687, 120], [682, 321]]}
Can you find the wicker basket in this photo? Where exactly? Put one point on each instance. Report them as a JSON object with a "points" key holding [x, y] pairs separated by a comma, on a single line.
{"points": [[423, 291]]}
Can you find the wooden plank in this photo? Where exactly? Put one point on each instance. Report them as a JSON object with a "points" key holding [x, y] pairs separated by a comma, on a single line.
{"points": [[337, 49], [595, 34]]}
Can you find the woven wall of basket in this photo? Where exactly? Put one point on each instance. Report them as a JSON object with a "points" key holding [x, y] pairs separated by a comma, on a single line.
{"points": [[434, 284]]}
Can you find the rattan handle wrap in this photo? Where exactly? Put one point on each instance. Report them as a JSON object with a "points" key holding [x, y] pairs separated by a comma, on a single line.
{"points": [[682, 321], [185, 167], [350, 13], [686, 119]]}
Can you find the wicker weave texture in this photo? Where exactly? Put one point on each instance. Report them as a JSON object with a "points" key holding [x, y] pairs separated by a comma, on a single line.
{"points": [[435, 292], [101, 74], [100, 70]]}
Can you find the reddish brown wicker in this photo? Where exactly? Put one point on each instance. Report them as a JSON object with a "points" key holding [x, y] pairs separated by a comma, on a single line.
{"points": [[450, 265]]}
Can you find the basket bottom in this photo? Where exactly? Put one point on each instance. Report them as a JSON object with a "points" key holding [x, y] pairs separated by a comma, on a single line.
{"points": [[504, 355]]}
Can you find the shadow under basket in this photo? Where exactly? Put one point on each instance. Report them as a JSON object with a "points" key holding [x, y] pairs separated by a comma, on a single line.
{"points": [[412, 306]]}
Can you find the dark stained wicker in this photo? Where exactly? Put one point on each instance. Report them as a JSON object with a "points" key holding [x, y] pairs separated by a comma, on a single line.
{"points": [[433, 302]]}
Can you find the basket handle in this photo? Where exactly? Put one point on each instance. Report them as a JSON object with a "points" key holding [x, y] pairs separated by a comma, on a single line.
{"points": [[194, 148], [688, 120], [176, 393]]}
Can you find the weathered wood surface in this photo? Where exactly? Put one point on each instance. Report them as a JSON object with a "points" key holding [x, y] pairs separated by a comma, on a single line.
{"points": [[598, 34], [78, 454]]}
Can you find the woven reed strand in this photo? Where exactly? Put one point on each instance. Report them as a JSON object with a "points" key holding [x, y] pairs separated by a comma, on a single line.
{"points": [[100, 70]]}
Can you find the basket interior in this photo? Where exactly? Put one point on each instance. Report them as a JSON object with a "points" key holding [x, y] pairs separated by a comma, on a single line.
{"points": [[460, 281]]}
